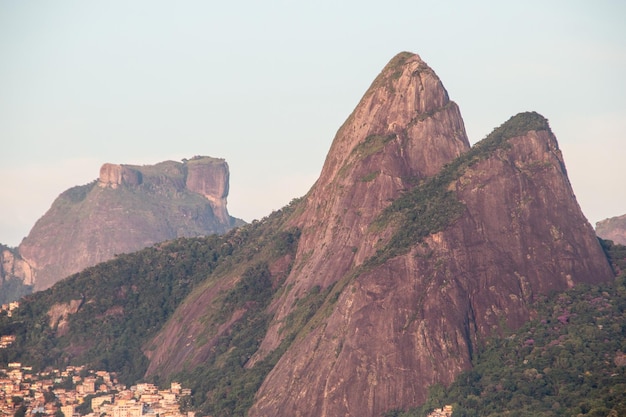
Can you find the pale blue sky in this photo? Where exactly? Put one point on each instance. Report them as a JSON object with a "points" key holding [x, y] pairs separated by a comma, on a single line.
{"points": [[266, 85]]}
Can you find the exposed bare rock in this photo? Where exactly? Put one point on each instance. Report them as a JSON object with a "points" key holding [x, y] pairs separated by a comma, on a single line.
{"points": [[59, 314], [620, 359], [210, 178], [16, 275], [113, 175], [402, 323], [613, 229], [13, 266], [128, 208], [413, 246], [405, 127]]}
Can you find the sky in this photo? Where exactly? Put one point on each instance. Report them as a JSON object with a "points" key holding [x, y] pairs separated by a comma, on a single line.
{"points": [[266, 85]]}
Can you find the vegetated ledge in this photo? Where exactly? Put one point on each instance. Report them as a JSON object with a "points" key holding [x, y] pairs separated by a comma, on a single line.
{"points": [[431, 206]]}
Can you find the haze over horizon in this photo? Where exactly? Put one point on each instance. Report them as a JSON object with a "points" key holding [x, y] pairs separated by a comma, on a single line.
{"points": [[266, 86]]}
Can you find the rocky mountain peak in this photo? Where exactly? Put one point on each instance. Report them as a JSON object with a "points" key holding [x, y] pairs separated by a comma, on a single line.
{"points": [[464, 251], [404, 102], [127, 208], [403, 129], [407, 253], [210, 177], [413, 247]]}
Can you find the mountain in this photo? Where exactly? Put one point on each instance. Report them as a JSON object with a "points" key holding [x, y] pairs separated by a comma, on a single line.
{"points": [[567, 361], [127, 208], [410, 250], [613, 229], [16, 275], [417, 245], [420, 279]]}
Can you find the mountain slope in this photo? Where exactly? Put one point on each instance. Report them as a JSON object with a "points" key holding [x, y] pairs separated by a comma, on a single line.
{"points": [[567, 361], [409, 250], [126, 209], [412, 316], [386, 298], [16, 275]]}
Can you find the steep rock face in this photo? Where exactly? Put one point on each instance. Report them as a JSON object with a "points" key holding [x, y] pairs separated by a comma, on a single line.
{"points": [[59, 315], [613, 229], [13, 266], [390, 139], [16, 275], [126, 209], [210, 178], [113, 175], [397, 324], [404, 128], [412, 247]]}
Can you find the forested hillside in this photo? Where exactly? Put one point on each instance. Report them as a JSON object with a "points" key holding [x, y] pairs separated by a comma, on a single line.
{"points": [[104, 315]]}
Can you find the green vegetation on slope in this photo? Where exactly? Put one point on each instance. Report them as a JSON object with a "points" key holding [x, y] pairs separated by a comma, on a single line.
{"points": [[570, 361], [222, 385], [126, 301], [123, 303]]}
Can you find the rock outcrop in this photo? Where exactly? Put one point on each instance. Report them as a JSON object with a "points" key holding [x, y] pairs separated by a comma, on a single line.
{"points": [[113, 175], [16, 275], [403, 321], [210, 178], [405, 128], [126, 209], [419, 244], [613, 229]]}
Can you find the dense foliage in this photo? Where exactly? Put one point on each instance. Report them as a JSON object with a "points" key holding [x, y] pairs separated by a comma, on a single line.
{"points": [[570, 361], [124, 302], [222, 385]]}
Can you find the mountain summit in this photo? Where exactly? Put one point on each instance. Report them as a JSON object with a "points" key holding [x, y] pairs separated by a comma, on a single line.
{"points": [[430, 245], [126, 209], [410, 249], [414, 245]]}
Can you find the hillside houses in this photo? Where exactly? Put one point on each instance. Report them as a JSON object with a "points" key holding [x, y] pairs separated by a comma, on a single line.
{"points": [[75, 391]]}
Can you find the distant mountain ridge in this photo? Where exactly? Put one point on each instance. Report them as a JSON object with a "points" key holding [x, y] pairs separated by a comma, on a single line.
{"points": [[613, 229], [126, 209], [410, 250]]}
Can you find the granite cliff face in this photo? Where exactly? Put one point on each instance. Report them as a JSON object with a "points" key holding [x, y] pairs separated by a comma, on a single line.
{"points": [[414, 319], [16, 275], [613, 229], [126, 209], [418, 246], [405, 128]]}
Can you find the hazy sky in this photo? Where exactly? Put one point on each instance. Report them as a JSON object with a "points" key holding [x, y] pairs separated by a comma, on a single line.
{"points": [[266, 84]]}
